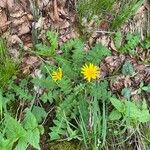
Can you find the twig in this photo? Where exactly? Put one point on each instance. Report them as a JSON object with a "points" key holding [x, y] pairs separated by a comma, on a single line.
{"points": [[100, 31], [56, 15], [44, 121]]}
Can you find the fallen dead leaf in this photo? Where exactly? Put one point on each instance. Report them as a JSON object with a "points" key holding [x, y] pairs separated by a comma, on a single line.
{"points": [[117, 84], [17, 22], [64, 24], [10, 4], [29, 63], [113, 62], [147, 4], [3, 20], [104, 40], [14, 39], [39, 24], [25, 28], [3, 3]]}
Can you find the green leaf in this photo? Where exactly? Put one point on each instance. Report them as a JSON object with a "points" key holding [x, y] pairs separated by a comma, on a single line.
{"points": [[126, 92], [146, 88], [30, 121], [118, 39], [115, 115], [47, 97], [144, 116], [128, 69], [54, 135], [118, 104], [22, 92], [22, 144], [33, 137], [33, 133], [100, 90], [65, 85], [5, 144], [97, 53], [39, 113], [53, 40], [146, 43], [83, 108], [43, 50], [141, 84], [41, 129], [144, 105], [132, 110], [43, 82], [14, 130]]}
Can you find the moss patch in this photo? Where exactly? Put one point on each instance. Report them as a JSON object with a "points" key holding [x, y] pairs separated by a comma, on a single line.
{"points": [[65, 146]]}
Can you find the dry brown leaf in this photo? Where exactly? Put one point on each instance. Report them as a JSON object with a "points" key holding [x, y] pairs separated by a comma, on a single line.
{"points": [[14, 53], [18, 14], [14, 39], [17, 22], [3, 3], [3, 20], [117, 84], [28, 63], [39, 24], [31, 60], [104, 40], [10, 4], [25, 28], [113, 62], [64, 24], [147, 4], [112, 45]]}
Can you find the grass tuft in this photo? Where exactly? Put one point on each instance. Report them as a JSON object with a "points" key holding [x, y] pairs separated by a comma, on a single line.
{"points": [[7, 66]]}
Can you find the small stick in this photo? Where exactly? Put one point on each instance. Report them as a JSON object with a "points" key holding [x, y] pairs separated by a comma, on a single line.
{"points": [[109, 32]]}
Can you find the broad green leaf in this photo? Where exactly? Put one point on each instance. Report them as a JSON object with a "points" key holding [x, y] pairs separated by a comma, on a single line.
{"points": [[144, 116], [144, 105], [115, 115], [5, 144], [30, 121], [39, 113], [132, 110], [126, 92], [22, 144], [146, 88], [14, 129], [117, 104], [33, 137]]}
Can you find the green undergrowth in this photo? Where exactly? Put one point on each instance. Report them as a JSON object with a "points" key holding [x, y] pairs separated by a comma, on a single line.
{"points": [[85, 113], [131, 43], [124, 12], [111, 14], [8, 67]]}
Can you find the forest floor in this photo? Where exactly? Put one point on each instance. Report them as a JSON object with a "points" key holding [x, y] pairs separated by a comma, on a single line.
{"points": [[24, 23]]}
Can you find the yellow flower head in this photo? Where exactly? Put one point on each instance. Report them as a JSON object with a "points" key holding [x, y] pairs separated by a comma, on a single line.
{"points": [[90, 71], [57, 75]]}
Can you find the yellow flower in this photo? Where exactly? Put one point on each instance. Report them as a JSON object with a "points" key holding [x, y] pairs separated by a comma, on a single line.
{"points": [[57, 75], [90, 71]]}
